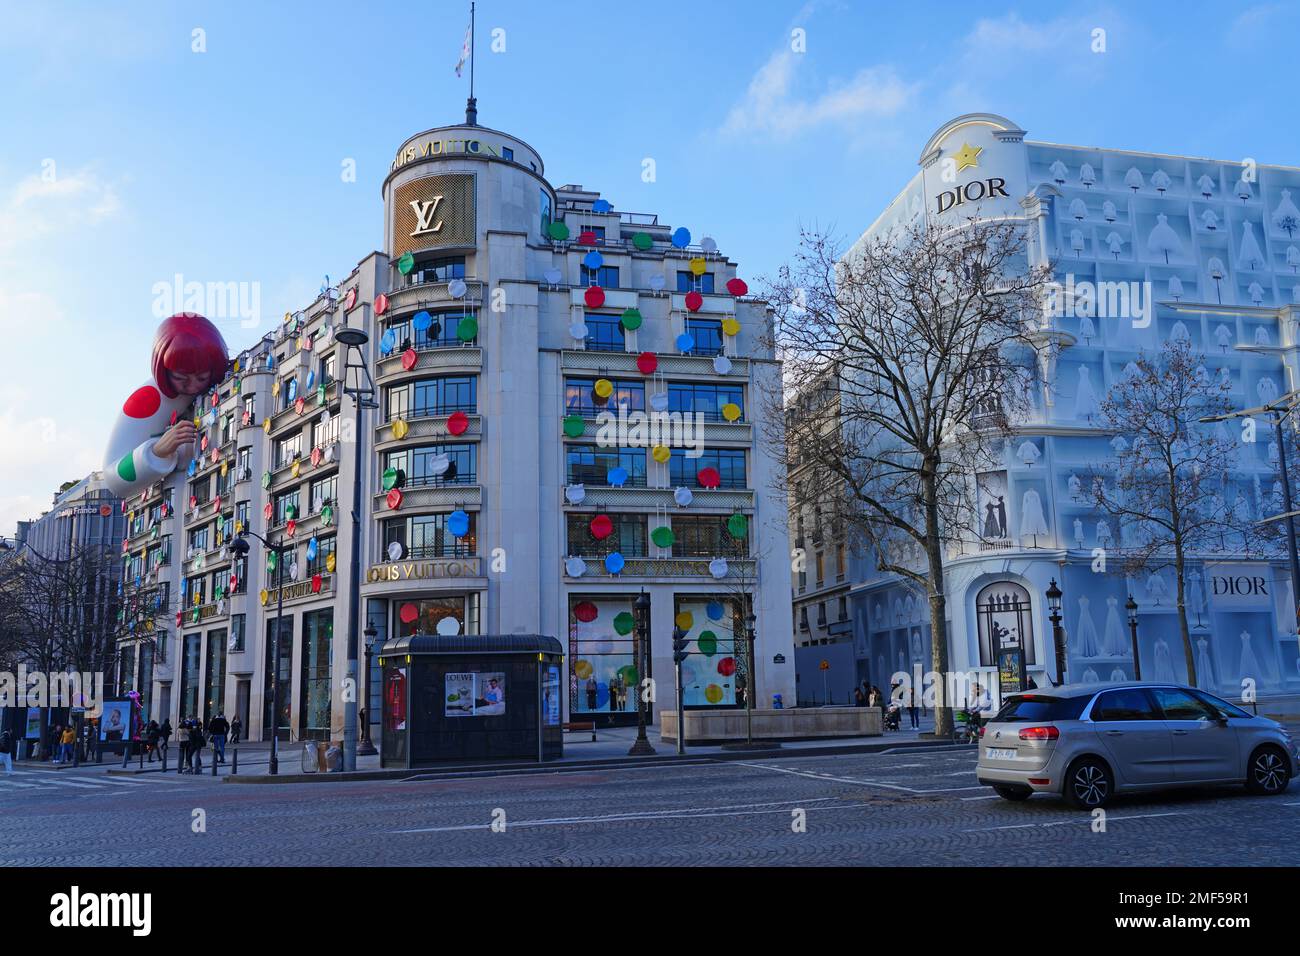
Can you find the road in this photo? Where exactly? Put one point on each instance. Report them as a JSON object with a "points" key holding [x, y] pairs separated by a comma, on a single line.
{"points": [[868, 809]]}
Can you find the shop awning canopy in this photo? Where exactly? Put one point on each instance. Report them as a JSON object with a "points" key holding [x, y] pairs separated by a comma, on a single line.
{"points": [[462, 644]]}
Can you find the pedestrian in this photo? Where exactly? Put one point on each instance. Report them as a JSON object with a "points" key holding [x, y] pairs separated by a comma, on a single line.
{"points": [[184, 759], [69, 742], [56, 744], [7, 751], [236, 726], [858, 699], [218, 727], [165, 736], [197, 742], [151, 735], [913, 712], [591, 689]]}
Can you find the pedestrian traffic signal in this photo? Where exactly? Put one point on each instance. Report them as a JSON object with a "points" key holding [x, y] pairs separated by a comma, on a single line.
{"points": [[679, 645]]}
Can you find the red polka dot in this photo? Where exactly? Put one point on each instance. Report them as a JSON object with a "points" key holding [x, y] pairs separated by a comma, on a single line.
{"points": [[144, 401]]}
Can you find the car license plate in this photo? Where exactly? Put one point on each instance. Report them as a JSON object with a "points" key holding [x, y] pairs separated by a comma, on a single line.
{"points": [[1002, 753]]}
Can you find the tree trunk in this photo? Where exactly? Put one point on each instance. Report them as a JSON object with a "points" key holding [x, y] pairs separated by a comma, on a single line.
{"points": [[1179, 567], [938, 609]]}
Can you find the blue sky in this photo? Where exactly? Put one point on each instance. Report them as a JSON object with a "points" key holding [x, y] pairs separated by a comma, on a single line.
{"points": [[128, 158]]}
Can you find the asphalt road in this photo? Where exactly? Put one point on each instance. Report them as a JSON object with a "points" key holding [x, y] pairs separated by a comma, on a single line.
{"points": [[871, 809]]}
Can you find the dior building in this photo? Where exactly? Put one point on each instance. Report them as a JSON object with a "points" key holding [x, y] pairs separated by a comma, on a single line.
{"points": [[1210, 251], [567, 416]]}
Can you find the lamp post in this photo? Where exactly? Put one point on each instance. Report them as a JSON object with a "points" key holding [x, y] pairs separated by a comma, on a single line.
{"points": [[367, 748], [641, 612], [750, 621], [240, 547], [1058, 634], [1132, 607], [363, 396]]}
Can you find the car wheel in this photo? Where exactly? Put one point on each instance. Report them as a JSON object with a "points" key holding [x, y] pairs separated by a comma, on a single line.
{"points": [[1013, 793], [1269, 772], [1088, 784]]}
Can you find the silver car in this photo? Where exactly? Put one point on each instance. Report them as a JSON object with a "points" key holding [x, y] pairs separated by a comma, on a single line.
{"points": [[1090, 741]]}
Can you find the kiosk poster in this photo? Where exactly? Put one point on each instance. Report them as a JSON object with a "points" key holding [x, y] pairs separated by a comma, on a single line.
{"points": [[33, 730], [116, 722], [475, 695], [551, 696]]}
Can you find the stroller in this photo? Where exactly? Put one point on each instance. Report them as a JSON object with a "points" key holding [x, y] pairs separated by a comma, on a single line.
{"points": [[893, 715]]}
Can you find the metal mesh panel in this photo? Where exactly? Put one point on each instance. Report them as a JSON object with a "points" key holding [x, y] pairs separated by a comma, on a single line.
{"points": [[433, 212]]}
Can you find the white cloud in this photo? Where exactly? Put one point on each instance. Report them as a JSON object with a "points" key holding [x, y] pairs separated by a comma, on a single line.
{"points": [[38, 208], [772, 108], [40, 452]]}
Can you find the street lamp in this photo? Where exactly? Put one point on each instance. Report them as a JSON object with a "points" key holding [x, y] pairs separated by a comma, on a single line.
{"points": [[750, 621], [240, 548], [1132, 607], [1058, 634], [367, 748], [363, 396], [641, 613]]}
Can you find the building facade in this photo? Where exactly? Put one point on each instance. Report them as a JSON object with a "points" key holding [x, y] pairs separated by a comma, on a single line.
{"points": [[567, 414], [1199, 249]]}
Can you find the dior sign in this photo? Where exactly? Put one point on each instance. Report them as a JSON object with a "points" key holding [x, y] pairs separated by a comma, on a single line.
{"points": [[973, 191], [1240, 585]]}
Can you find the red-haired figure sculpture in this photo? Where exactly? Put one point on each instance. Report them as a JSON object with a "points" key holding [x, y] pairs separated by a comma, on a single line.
{"points": [[189, 357]]}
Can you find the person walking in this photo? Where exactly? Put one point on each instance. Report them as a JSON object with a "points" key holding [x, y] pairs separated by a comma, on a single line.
{"points": [[858, 699], [184, 759], [7, 751], [56, 744], [151, 735], [165, 736], [197, 743], [236, 726], [913, 712], [69, 741], [218, 727]]}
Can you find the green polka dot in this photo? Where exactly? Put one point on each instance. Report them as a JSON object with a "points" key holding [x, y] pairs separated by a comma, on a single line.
{"points": [[467, 328], [663, 537], [574, 426], [642, 241], [708, 643], [406, 263], [126, 467], [738, 525], [631, 319], [624, 622], [558, 230]]}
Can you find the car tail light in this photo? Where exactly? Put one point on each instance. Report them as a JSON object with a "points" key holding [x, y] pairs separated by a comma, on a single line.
{"points": [[1040, 733], [980, 730], [1040, 781]]}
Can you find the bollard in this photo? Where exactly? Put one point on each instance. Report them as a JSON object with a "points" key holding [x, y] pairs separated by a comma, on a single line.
{"points": [[126, 754], [234, 762], [164, 759], [214, 763], [142, 755]]}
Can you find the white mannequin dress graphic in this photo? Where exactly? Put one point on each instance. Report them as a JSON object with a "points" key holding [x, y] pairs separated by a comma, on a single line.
{"points": [[1117, 675], [1262, 337], [1103, 532], [1113, 643], [1085, 397], [1120, 444], [1059, 172], [1108, 211], [1087, 331], [1028, 453], [1032, 521], [1175, 288], [1164, 667], [1078, 533], [1160, 180], [1223, 335], [1087, 177], [1206, 185], [1163, 240], [1249, 667], [1089, 643], [1210, 220], [1156, 588], [1090, 677], [1267, 390], [1250, 256], [1195, 594], [1204, 674]]}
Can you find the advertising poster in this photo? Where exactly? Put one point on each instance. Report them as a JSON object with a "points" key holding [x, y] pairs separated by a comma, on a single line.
{"points": [[116, 722], [551, 696], [33, 731], [475, 695]]}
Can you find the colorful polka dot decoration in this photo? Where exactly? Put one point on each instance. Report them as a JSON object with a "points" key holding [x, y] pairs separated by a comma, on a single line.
{"points": [[663, 537], [737, 287], [707, 643], [684, 620], [586, 612], [630, 319], [593, 260], [731, 411], [558, 231], [381, 304], [316, 583], [467, 328], [601, 527], [614, 562], [458, 423], [422, 321], [394, 499], [685, 342], [727, 666], [694, 301], [681, 237], [713, 694], [574, 426], [400, 428], [601, 206], [408, 613], [388, 342], [738, 526], [642, 241], [624, 622], [405, 263], [604, 387], [594, 297], [647, 362], [409, 358], [458, 523], [708, 477], [617, 477], [582, 669], [730, 326], [715, 610], [143, 402], [698, 266], [661, 453]]}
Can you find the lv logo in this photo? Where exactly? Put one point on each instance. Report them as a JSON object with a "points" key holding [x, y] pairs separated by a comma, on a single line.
{"points": [[424, 213]]}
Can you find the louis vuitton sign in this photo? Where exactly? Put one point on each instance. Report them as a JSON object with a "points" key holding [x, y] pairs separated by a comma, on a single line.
{"points": [[439, 569], [432, 212]]}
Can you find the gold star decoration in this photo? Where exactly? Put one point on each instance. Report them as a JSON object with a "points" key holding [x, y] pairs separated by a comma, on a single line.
{"points": [[967, 156]]}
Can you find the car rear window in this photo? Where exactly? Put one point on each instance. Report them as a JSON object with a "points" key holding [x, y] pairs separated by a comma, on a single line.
{"points": [[1037, 707]]}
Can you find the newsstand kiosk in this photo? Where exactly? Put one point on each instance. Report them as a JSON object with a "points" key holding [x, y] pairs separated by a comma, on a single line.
{"points": [[470, 698]]}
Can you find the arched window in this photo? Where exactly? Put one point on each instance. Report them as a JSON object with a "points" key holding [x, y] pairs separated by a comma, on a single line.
{"points": [[1005, 621]]}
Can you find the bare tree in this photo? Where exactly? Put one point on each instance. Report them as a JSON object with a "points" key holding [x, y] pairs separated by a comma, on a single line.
{"points": [[1169, 486], [906, 360]]}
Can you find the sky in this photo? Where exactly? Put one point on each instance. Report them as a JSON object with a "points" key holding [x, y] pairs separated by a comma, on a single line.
{"points": [[244, 141]]}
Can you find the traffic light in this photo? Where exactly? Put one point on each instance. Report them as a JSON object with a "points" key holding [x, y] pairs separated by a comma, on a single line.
{"points": [[679, 645]]}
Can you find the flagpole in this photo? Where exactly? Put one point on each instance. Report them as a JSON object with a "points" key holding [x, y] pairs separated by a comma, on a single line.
{"points": [[471, 50]]}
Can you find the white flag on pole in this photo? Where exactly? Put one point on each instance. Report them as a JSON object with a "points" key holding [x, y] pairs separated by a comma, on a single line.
{"points": [[464, 52]]}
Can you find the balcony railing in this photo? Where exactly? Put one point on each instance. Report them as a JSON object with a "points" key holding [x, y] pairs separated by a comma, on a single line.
{"points": [[431, 411]]}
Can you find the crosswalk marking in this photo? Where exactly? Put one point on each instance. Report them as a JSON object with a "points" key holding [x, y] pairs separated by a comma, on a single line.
{"points": [[115, 782]]}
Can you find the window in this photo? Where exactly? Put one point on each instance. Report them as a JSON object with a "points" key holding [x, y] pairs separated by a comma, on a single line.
{"points": [[324, 548], [629, 536], [239, 568], [605, 334], [214, 701], [328, 365], [690, 282], [704, 536], [429, 614], [191, 658], [606, 277], [288, 392], [580, 400], [821, 568], [201, 489], [323, 491], [283, 502], [507, 153], [195, 590], [287, 449], [544, 206], [433, 396], [441, 333], [325, 432], [277, 693], [1180, 705], [437, 270], [706, 400], [426, 536], [841, 562], [318, 635], [199, 539], [238, 625], [241, 515], [707, 334], [418, 464], [250, 406], [729, 462], [591, 464], [1222, 706], [244, 464], [1132, 704], [597, 231], [1031, 708], [843, 611]]}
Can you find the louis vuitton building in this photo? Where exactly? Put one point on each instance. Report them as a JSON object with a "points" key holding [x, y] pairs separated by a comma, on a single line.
{"points": [[1211, 253], [567, 416]]}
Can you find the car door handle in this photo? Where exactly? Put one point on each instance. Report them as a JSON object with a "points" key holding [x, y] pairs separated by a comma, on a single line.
{"points": [[1114, 733], [1180, 733]]}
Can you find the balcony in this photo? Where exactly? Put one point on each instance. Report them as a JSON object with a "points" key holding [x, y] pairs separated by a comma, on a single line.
{"points": [[429, 498], [282, 420], [706, 501], [672, 366], [740, 570], [426, 294], [442, 359], [426, 424]]}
